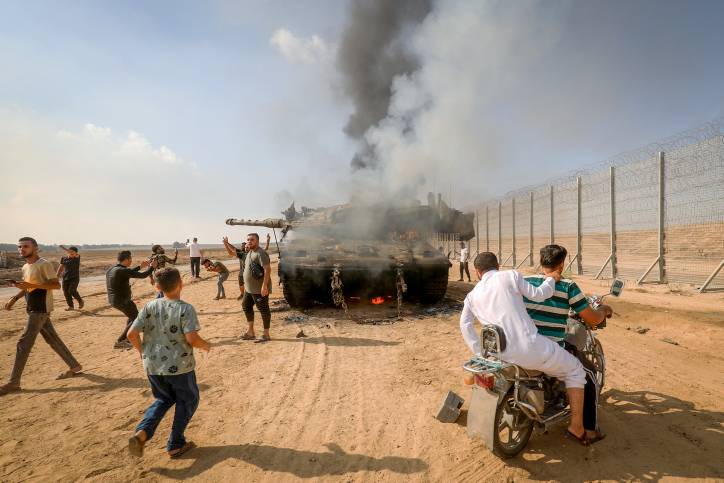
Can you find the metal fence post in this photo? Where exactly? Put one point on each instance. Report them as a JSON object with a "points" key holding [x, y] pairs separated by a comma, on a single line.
{"points": [[662, 273], [579, 263], [487, 230], [500, 231], [477, 231], [552, 237], [613, 225], [513, 219], [530, 241]]}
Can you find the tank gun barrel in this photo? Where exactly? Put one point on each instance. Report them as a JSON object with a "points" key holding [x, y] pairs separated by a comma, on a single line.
{"points": [[268, 223]]}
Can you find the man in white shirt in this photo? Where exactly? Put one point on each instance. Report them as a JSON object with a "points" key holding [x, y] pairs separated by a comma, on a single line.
{"points": [[195, 254], [498, 299], [464, 259]]}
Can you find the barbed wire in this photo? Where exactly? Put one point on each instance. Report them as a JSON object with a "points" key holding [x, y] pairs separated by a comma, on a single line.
{"points": [[706, 131]]}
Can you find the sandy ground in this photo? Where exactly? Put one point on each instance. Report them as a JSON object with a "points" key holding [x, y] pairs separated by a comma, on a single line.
{"points": [[356, 402]]}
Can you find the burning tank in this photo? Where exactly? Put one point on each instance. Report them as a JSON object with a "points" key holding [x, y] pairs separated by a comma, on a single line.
{"points": [[364, 251]]}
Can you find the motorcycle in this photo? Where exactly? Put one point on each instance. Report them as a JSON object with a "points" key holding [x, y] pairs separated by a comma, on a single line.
{"points": [[509, 401]]}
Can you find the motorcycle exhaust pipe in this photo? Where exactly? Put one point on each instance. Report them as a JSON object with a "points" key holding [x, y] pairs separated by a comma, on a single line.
{"points": [[543, 427]]}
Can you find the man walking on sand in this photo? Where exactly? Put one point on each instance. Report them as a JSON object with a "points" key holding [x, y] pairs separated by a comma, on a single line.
{"points": [[257, 287], [39, 281], [70, 268], [464, 259], [119, 291], [195, 255]]}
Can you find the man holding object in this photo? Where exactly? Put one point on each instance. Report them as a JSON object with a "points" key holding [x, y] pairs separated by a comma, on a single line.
{"points": [[39, 280]]}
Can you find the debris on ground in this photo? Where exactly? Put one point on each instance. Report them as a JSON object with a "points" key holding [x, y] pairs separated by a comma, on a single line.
{"points": [[280, 306], [669, 341], [295, 318], [641, 330], [301, 334]]}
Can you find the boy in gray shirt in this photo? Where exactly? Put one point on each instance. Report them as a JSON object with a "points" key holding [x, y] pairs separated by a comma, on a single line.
{"points": [[170, 332]]}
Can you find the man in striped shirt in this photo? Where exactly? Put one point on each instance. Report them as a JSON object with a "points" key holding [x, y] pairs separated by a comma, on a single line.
{"points": [[551, 319]]}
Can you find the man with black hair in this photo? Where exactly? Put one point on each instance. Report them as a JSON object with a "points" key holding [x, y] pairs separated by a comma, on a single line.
{"points": [[119, 291], [70, 268], [551, 320], [39, 281], [240, 253], [498, 299], [256, 289]]}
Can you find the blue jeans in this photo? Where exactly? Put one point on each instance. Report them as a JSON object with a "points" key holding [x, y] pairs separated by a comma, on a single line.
{"points": [[180, 390], [220, 284]]}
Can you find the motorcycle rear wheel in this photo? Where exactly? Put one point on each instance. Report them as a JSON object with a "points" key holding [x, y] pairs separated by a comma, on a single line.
{"points": [[599, 361], [513, 428]]}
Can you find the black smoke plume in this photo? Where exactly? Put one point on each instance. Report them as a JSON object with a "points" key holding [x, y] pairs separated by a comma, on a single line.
{"points": [[373, 51]]}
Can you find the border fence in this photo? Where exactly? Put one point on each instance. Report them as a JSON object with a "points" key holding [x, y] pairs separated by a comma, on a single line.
{"points": [[653, 215]]}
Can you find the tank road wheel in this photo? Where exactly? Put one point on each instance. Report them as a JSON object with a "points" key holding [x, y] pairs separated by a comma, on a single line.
{"points": [[432, 291], [297, 293], [513, 428], [598, 360]]}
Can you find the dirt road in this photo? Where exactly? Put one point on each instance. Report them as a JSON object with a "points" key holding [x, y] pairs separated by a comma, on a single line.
{"points": [[356, 402]]}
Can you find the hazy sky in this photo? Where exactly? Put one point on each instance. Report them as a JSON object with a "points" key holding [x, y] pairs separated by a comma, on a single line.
{"points": [[140, 122]]}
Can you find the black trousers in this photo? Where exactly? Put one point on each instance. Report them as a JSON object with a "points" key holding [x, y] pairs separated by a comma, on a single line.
{"points": [[464, 266], [262, 303], [195, 266], [590, 390], [129, 309], [70, 290]]}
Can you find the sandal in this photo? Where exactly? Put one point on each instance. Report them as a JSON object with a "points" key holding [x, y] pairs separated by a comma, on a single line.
{"points": [[582, 440], [70, 373], [135, 446], [182, 450], [245, 336], [599, 437], [261, 339]]}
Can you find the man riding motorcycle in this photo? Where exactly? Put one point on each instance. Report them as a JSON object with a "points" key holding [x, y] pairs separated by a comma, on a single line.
{"points": [[551, 319], [498, 299]]}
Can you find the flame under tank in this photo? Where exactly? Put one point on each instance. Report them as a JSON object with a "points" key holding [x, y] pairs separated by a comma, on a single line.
{"points": [[368, 245]]}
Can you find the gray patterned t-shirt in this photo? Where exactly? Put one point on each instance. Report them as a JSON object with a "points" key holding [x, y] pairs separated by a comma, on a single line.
{"points": [[164, 325]]}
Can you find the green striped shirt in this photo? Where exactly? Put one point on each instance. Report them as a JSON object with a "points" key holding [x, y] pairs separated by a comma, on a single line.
{"points": [[551, 315]]}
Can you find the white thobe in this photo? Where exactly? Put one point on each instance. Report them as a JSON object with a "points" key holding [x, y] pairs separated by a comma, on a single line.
{"points": [[498, 299]]}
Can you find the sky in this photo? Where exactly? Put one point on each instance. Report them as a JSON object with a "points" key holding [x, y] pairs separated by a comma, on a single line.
{"points": [[153, 122]]}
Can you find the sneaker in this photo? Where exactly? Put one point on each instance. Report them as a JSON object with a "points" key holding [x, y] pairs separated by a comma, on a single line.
{"points": [[68, 309], [81, 304], [122, 345]]}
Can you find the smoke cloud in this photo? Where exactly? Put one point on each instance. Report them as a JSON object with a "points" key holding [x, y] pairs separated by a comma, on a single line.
{"points": [[375, 50]]}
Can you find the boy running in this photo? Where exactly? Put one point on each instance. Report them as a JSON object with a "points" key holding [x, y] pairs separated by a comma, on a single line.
{"points": [[170, 332]]}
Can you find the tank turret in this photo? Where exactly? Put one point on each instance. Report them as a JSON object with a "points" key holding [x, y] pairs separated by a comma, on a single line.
{"points": [[373, 250]]}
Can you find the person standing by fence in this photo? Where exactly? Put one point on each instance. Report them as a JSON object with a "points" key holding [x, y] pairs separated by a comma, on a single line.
{"points": [[464, 258], [70, 268]]}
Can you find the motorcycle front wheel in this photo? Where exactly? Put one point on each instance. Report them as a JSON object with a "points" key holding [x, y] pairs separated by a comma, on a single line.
{"points": [[513, 428], [595, 355]]}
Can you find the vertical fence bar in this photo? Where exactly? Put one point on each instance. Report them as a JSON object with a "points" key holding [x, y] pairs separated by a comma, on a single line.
{"points": [[662, 273], [513, 220], [530, 238], [613, 225], [477, 230], [552, 237], [487, 230], [500, 231], [579, 264]]}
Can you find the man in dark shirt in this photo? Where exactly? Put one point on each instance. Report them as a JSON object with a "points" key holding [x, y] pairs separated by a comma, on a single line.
{"points": [[70, 268], [119, 291]]}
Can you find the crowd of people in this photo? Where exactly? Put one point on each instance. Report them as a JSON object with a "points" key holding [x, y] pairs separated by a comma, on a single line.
{"points": [[534, 321], [169, 325]]}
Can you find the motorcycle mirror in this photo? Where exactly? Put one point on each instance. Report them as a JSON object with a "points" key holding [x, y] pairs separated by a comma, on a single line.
{"points": [[617, 287]]}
